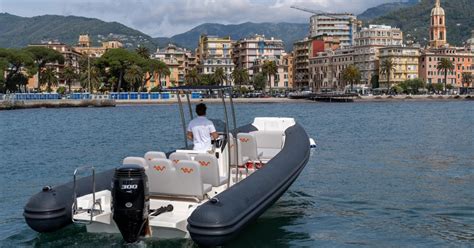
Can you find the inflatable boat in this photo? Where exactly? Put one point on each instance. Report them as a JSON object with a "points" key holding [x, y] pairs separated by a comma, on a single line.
{"points": [[206, 196]]}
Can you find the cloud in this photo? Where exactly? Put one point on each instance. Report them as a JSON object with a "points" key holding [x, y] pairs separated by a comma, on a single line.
{"points": [[169, 17]]}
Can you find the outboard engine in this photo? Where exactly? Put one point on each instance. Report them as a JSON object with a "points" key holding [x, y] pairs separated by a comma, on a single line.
{"points": [[130, 201]]}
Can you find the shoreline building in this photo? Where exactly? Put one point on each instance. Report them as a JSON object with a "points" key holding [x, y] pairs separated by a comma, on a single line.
{"points": [[85, 47], [368, 41], [405, 60], [249, 52], [326, 69], [342, 26], [301, 76], [461, 57], [71, 58], [179, 60], [215, 52]]}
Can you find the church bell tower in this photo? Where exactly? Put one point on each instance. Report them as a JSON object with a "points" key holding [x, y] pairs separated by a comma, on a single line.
{"points": [[438, 26]]}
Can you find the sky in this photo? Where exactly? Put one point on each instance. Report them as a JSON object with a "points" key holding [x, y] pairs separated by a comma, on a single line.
{"points": [[164, 18]]}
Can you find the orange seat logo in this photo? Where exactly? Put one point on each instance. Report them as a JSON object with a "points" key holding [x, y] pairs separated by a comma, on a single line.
{"points": [[187, 170], [159, 168], [204, 163], [245, 140], [176, 161]]}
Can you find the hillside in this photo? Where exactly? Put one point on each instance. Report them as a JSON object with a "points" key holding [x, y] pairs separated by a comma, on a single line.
{"points": [[385, 8], [16, 31], [415, 21], [288, 32]]}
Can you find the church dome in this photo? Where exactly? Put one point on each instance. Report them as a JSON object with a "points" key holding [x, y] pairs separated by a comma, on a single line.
{"points": [[437, 10]]}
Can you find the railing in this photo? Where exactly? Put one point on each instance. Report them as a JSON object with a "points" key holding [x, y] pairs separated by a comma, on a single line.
{"points": [[75, 210]]}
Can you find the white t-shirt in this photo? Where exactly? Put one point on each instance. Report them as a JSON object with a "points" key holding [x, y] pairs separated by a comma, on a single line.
{"points": [[201, 128]]}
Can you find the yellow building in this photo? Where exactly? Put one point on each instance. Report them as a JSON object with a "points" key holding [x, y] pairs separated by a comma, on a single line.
{"points": [[406, 61], [215, 52], [179, 61], [85, 46]]}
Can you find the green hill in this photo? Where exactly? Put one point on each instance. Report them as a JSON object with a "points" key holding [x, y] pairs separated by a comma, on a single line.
{"points": [[414, 21], [16, 31], [385, 8], [288, 32]]}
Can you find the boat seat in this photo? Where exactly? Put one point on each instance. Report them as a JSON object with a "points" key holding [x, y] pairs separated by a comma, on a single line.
{"points": [[269, 143], [152, 155], [136, 161], [183, 179], [189, 181], [161, 176], [175, 157], [210, 170], [247, 146]]}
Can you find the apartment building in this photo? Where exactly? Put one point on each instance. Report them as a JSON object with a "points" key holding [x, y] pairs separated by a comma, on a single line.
{"points": [[215, 52], [342, 26], [368, 41], [405, 60], [326, 69]]}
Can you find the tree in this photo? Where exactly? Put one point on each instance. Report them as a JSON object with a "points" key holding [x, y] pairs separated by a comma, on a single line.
{"points": [[151, 67], [351, 74], [374, 81], [240, 76], [162, 70], [50, 78], [445, 65], [207, 79], [219, 76], [118, 61], [386, 68], [134, 75], [259, 81], [95, 77], [192, 77], [269, 69], [143, 51], [16, 62], [43, 56], [69, 76], [466, 79]]}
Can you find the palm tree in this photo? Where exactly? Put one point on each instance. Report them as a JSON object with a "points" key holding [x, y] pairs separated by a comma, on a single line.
{"points": [[162, 70], [269, 68], [240, 76], [134, 76], [445, 65], [94, 75], [143, 51], [351, 74], [192, 77], [49, 77], [219, 76], [386, 69], [466, 79], [69, 75]]}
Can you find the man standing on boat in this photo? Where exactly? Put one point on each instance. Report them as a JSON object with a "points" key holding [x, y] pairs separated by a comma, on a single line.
{"points": [[201, 130]]}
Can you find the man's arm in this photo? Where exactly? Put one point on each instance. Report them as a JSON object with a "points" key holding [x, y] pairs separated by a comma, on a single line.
{"points": [[214, 135], [189, 135]]}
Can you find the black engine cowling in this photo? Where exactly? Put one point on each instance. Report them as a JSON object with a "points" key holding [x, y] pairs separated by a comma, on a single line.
{"points": [[130, 201]]}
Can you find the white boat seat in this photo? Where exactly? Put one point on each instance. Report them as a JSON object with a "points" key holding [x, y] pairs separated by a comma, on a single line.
{"points": [[136, 161], [269, 143], [175, 157], [152, 155], [161, 176], [189, 181], [210, 170], [247, 146]]}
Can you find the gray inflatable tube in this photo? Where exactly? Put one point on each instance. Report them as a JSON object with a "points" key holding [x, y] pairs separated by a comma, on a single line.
{"points": [[216, 222]]}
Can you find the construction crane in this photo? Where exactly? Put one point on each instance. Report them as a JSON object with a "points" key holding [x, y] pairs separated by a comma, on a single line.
{"points": [[346, 16]]}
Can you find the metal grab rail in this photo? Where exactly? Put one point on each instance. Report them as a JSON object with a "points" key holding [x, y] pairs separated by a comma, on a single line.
{"points": [[74, 208]]}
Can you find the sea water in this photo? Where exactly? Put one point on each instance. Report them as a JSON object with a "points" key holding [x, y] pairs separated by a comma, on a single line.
{"points": [[389, 174]]}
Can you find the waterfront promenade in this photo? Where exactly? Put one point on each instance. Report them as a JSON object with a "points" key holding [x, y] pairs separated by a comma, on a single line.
{"points": [[68, 103]]}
